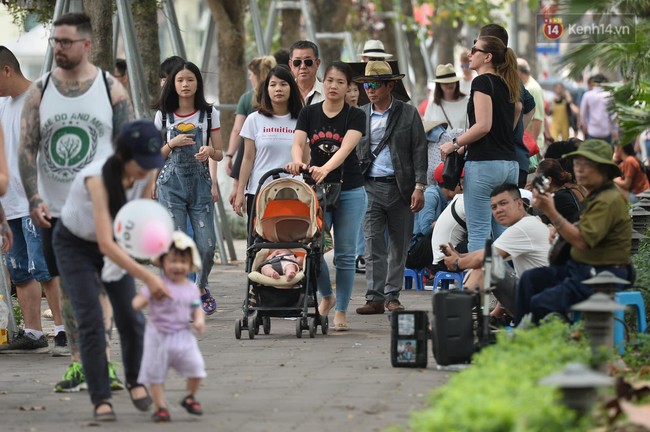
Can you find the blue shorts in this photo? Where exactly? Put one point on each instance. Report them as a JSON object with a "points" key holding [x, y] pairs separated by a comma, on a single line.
{"points": [[25, 260]]}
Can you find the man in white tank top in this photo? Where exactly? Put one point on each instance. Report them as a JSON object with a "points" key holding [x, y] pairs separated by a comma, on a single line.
{"points": [[69, 120]]}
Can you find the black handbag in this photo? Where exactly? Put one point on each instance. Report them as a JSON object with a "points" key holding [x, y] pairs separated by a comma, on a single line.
{"points": [[328, 195], [454, 164]]}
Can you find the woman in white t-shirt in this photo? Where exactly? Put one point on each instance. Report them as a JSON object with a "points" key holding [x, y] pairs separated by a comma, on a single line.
{"points": [[449, 104], [268, 134]]}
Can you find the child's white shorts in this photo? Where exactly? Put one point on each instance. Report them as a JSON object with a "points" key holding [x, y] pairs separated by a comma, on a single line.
{"points": [[162, 351]]}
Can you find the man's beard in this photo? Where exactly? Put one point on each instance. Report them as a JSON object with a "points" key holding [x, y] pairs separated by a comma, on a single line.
{"points": [[65, 63]]}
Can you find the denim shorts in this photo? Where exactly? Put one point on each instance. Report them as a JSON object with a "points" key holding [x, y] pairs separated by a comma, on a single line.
{"points": [[25, 260]]}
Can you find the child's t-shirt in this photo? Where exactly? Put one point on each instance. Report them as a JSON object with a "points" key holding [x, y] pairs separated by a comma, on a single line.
{"points": [[170, 315]]}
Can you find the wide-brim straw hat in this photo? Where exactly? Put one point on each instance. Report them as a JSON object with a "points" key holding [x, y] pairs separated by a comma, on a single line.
{"points": [[374, 48], [446, 74], [598, 151], [378, 71], [399, 91], [429, 125]]}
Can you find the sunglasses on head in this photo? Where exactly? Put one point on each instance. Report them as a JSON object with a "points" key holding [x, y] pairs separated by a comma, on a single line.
{"points": [[372, 85], [308, 62], [474, 50]]}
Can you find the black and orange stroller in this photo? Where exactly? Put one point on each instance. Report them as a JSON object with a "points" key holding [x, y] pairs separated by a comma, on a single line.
{"points": [[286, 216]]}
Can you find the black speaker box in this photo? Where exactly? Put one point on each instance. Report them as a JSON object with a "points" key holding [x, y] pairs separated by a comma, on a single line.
{"points": [[453, 327]]}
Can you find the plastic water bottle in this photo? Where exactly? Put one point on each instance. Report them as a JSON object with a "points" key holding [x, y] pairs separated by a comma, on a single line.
{"points": [[4, 320]]}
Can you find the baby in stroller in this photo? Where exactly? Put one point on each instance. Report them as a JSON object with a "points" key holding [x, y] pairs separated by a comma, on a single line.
{"points": [[281, 262]]}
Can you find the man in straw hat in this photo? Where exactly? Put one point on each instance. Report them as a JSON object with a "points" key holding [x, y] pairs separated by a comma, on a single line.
{"points": [[373, 50], [600, 241], [393, 155]]}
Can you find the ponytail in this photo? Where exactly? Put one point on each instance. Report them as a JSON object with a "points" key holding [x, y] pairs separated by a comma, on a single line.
{"points": [[112, 173], [508, 72]]}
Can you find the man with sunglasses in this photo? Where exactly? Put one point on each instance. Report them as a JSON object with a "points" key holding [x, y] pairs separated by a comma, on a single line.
{"points": [[393, 154], [304, 63]]}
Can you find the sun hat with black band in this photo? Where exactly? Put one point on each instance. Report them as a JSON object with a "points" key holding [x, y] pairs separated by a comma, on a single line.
{"points": [[378, 71], [374, 49], [598, 151], [446, 74]]}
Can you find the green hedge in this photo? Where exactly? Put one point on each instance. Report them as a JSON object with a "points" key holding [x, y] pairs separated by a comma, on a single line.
{"points": [[500, 392]]}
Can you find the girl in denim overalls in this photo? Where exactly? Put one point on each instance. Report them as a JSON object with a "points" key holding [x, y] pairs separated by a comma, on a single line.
{"points": [[187, 184]]}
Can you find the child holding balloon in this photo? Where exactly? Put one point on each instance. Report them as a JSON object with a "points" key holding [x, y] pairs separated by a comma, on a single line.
{"points": [[81, 244], [168, 339], [186, 187]]}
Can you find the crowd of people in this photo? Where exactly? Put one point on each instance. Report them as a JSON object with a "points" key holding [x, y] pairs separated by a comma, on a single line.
{"points": [[73, 149]]}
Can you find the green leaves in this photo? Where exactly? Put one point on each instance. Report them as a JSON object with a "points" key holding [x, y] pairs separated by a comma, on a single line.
{"points": [[500, 391]]}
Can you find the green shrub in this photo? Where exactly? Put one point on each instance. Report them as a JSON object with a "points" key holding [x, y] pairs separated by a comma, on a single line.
{"points": [[500, 391], [18, 312], [641, 262]]}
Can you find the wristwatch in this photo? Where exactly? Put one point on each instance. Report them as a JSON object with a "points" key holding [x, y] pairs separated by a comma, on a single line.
{"points": [[456, 265], [456, 145], [420, 187]]}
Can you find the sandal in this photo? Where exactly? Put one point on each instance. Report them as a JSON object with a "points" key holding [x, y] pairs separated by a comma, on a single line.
{"points": [[191, 405], [104, 417], [161, 416], [340, 326], [208, 303], [143, 403]]}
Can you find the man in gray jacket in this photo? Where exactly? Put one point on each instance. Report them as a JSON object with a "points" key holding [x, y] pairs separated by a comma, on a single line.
{"points": [[393, 157]]}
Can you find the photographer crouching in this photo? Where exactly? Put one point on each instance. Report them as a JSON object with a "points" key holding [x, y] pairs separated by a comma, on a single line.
{"points": [[600, 241]]}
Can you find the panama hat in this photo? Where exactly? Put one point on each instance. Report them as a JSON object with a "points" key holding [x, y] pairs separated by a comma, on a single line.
{"points": [[374, 48], [598, 151], [446, 74], [378, 71], [359, 69]]}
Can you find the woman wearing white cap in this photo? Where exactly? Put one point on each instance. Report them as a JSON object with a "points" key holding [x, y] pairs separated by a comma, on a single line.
{"points": [[449, 105]]}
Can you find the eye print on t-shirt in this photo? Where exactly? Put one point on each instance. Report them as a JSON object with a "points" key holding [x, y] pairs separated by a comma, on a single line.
{"points": [[327, 142]]}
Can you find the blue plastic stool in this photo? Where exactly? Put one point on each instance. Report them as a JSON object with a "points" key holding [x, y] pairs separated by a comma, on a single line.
{"points": [[634, 299], [442, 278], [411, 275]]}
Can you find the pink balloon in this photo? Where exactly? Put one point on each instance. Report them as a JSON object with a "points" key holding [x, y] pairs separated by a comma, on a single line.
{"points": [[155, 238]]}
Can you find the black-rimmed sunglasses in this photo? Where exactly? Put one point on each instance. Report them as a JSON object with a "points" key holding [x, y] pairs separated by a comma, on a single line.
{"points": [[474, 50], [308, 62]]}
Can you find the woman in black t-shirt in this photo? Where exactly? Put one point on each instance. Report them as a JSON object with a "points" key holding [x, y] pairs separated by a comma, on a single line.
{"points": [[332, 129], [567, 196], [493, 109]]}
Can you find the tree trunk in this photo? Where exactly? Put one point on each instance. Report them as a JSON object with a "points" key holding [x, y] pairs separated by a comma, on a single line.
{"points": [[289, 28], [446, 37], [418, 92], [145, 13], [387, 35], [101, 19], [329, 16], [231, 42]]}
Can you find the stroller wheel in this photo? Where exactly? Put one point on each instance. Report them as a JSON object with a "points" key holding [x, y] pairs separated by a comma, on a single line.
{"points": [[312, 328], [266, 325], [252, 326], [324, 324], [298, 328], [237, 329]]}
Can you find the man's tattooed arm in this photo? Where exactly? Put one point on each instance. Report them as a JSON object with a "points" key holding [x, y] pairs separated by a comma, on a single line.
{"points": [[30, 139], [122, 109]]}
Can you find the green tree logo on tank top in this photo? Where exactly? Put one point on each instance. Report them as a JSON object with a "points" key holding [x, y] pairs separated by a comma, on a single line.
{"points": [[69, 147]]}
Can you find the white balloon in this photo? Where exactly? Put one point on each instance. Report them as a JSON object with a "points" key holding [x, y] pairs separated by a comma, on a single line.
{"points": [[143, 228]]}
